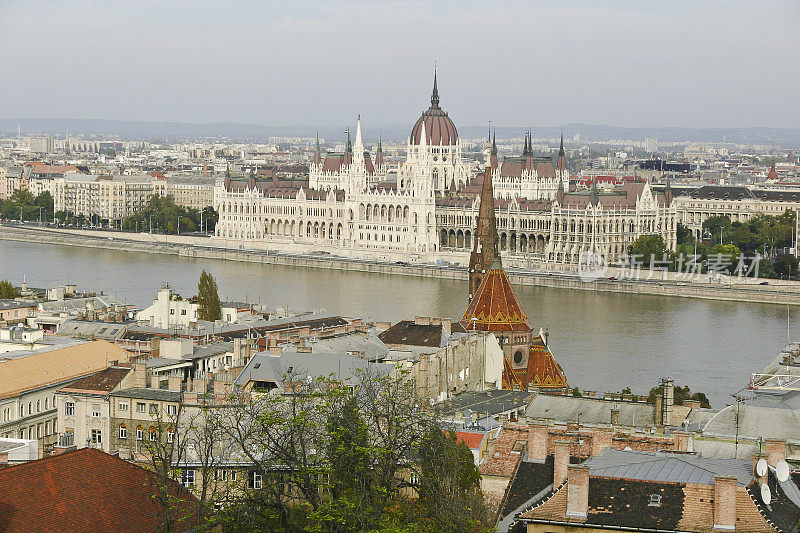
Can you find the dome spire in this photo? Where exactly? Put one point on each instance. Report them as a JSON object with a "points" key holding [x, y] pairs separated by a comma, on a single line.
{"points": [[435, 93]]}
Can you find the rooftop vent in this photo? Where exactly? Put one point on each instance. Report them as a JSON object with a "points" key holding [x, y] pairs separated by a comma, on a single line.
{"points": [[655, 500]]}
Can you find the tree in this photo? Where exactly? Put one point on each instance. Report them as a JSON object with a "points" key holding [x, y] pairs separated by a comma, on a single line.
{"points": [[7, 290], [716, 227], [46, 202], [785, 265], [650, 248], [684, 235], [209, 307]]}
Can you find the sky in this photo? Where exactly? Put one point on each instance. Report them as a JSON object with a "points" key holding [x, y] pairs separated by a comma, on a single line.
{"points": [[659, 63]]}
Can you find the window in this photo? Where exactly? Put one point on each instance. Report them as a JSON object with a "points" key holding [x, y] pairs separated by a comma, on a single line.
{"points": [[233, 475], [139, 433], [45, 403], [170, 435], [97, 436], [172, 409], [254, 480], [183, 311], [187, 478], [172, 311], [141, 407], [95, 410], [47, 428], [220, 475], [69, 408], [518, 357], [655, 500], [123, 406], [153, 408], [123, 431], [153, 434]]}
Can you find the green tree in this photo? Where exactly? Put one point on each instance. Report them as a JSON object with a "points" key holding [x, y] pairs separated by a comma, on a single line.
{"points": [[649, 248], [7, 290], [716, 227], [785, 265], [45, 201], [209, 307]]}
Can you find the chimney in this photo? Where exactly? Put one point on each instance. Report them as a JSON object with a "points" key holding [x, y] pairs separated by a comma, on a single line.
{"points": [[775, 450], [174, 383], [537, 441], [681, 440], [199, 386], [447, 328], [190, 398], [577, 491], [757, 457], [615, 417], [725, 502], [422, 320], [276, 351], [560, 461], [602, 438], [139, 376]]}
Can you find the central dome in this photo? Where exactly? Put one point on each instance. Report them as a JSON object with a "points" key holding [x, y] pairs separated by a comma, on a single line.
{"points": [[439, 129]]}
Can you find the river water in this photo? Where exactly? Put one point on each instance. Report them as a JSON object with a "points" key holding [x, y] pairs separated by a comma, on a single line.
{"points": [[604, 341]]}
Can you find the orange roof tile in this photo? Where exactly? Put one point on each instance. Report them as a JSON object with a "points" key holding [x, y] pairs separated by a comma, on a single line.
{"points": [[495, 306]]}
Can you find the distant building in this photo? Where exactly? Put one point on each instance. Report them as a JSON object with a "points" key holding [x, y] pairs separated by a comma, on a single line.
{"points": [[107, 198]]}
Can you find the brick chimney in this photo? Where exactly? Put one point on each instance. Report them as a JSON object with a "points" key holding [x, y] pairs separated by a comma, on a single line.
{"points": [[602, 438], [537, 441], [615, 417], [725, 502], [139, 376], [422, 320], [681, 440], [174, 383], [447, 328], [775, 450], [560, 461], [577, 491]]}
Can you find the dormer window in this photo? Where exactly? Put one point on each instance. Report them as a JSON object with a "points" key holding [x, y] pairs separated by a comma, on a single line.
{"points": [[655, 500]]}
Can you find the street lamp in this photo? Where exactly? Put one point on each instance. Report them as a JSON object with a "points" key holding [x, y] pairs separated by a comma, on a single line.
{"points": [[179, 224]]}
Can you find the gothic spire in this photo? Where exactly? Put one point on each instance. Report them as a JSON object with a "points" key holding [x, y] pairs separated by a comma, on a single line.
{"points": [[317, 152], [485, 251], [435, 93], [527, 149], [494, 143], [349, 146], [561, 164]]}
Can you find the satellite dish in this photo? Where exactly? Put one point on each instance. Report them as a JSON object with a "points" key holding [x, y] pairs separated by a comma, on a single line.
{"points": [[782, 470], [761, 467], [766, 495]]}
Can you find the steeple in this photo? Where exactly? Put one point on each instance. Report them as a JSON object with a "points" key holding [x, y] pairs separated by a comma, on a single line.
{"points": [[348, 147], [379, 154], [561, 165], [493, 152], [435, 93], [317, 152], [484, 251], [359, 145], [527, 150]]}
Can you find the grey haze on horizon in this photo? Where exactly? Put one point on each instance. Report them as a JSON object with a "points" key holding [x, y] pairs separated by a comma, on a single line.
{"points": [[685, 64]]}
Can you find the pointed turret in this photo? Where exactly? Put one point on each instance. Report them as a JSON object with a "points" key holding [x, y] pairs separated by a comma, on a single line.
{"points": [[379, 154], [317, 152], [435, 93], [526, 150], [562, 164], [493, 152], [359, 144], [227, 175], [347, 158], [560, 194]]}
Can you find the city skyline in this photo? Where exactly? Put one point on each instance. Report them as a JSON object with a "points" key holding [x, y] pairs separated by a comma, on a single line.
{"points": [[277, 65]]}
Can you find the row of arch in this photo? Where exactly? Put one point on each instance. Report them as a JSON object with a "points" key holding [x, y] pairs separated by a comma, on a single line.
{"points": [[508, 241]]}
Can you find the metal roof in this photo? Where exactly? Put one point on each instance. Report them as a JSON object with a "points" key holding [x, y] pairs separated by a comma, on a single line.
{"points": [[668, 467]]}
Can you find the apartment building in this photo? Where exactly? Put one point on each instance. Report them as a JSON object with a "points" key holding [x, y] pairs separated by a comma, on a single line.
{"points": [[30, 379], [109, 198], [192, 191]]}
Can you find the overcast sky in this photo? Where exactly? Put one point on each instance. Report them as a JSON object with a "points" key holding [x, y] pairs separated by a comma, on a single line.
{"points": [[694, 63]]}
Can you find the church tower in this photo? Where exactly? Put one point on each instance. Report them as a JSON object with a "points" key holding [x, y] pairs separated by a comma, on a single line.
{"points": [[494, 308]]}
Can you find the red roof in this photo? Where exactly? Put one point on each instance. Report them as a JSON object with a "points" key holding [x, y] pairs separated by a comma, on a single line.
{"points": [[472, 440], [495, 306], [83, 490]]}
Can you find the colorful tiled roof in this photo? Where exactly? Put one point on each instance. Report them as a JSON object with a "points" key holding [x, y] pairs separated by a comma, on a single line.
{"points": [[495, 307], [542, 371]]}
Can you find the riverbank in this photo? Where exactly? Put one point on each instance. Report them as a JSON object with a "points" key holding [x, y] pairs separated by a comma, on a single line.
{"points": [[205, 248]]}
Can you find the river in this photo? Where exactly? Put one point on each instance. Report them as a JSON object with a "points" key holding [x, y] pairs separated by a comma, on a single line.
{"points": [[603, 341]]}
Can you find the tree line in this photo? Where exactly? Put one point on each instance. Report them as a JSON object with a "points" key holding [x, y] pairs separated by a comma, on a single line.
{"points": [[768, 236]]}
